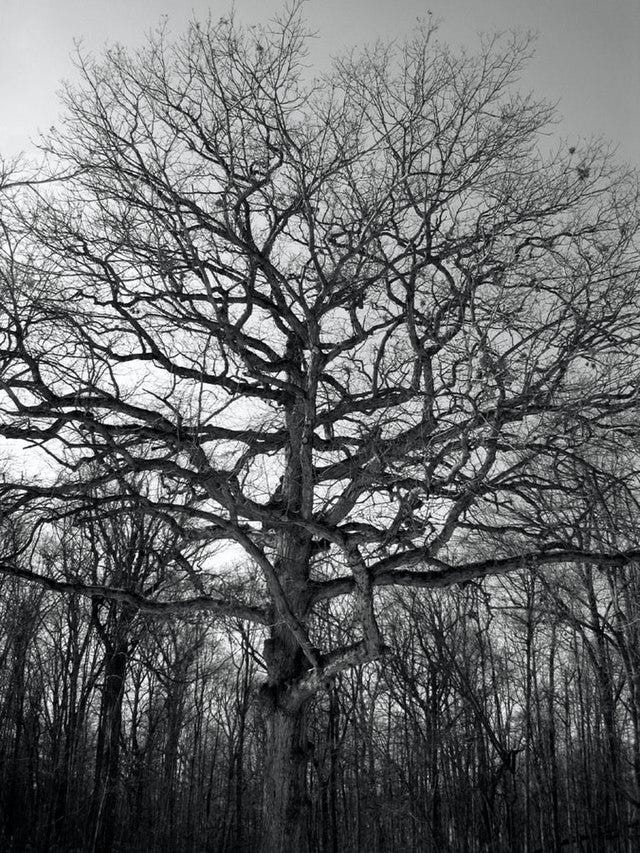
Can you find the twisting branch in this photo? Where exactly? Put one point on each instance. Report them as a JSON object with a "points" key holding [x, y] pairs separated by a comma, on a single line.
{"points": [[217, 607]]}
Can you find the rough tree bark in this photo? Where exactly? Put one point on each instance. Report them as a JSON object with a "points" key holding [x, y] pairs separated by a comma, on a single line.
{"points": [[102, 818]]}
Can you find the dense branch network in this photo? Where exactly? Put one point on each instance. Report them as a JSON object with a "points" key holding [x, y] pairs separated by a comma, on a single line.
{"points": [[356, 331]]}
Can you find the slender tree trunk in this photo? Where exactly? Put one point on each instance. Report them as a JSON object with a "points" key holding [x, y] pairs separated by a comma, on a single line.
{"points": [[552, 743], [333, 766], [237, 766]]}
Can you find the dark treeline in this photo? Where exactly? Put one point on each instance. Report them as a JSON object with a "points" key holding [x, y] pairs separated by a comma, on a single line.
{"points": [[506, 716]]}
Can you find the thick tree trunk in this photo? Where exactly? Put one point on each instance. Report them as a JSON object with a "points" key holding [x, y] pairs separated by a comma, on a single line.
{"points": [[285, 794], [103, 812], [284, 807], [285, 801], [104, 805], [285, 811]]}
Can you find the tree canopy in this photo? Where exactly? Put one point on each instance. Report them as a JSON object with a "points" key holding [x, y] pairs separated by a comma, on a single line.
{"points": [[338, 334]]}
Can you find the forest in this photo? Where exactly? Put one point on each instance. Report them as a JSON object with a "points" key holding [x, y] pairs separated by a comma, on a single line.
{"points": [[506, 717], [319, 457]]}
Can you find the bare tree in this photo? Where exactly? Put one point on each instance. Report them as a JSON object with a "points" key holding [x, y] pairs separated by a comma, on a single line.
{"points": [[356, 331]]}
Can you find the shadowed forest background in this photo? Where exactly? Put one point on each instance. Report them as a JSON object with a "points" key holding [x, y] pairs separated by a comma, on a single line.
{"points": [[506, 717], [319, 406]]}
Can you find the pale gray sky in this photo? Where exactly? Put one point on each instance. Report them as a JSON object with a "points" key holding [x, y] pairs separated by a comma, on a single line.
{"points": [[587, 55]]}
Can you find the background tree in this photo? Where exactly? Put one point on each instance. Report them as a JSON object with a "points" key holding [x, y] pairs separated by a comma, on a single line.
{"points": [[359, 332]]}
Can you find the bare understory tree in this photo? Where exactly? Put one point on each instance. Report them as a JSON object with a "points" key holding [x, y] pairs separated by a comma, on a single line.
{"points": [[355, 332]]}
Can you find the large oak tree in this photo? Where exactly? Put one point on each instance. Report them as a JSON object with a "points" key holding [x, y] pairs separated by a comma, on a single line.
{"points": [[364, 330]]}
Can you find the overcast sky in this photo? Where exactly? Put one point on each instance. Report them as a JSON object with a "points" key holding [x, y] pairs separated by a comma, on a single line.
{"points": [[587, 60]]}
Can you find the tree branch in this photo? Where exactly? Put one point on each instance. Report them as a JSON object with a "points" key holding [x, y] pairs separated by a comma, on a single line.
{"points": [[446, 575], [210, 604]]}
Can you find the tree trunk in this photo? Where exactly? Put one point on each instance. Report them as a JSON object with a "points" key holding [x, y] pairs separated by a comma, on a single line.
{"points": [[285, 809], [285, 800], [104, 805], [285, 794]]}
